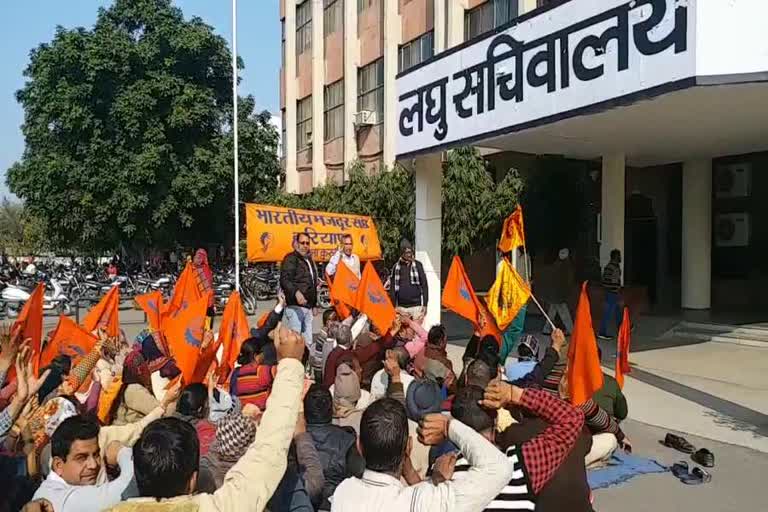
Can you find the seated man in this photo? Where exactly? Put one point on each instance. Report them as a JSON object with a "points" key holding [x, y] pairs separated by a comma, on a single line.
{"points": [[552, 457], [610, 397], [166, 457], [385, 445], [380, 381], [77, 462], [334, 444]]}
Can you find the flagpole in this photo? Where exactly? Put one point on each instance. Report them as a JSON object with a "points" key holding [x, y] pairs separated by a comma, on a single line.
{"points": [[551, 323], [234, 131]]}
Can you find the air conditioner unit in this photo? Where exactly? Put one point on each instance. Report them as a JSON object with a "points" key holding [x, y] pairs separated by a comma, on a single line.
{"points": [[365, 118], [732, 230], [733, 180]]}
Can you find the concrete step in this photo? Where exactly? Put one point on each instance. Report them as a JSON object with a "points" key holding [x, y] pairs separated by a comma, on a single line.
{"points": [[751, 335]]}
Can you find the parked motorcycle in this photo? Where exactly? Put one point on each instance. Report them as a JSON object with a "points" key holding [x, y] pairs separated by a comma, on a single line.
{"points": [[14, 297]]}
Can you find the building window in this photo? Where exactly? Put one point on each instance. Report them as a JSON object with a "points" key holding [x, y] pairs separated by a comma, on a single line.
{"points": [[303, 123], [488, 16], [333, 16], [363, 4], [303, 27], [334, 110], [416, 51], [370, 88]]}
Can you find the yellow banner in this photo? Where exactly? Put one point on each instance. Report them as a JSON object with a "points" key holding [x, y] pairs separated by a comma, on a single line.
{"points": [[271, 230]]}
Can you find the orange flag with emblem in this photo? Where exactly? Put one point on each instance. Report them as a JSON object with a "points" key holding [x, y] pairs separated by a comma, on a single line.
{"points": [[373, 300], [513, 231], [152, 304], [508, 295], [185, 293], [343, 290], [488, 326], [105, 314], [584, 373], [232, 333], [622, 349], [69, 339], [184, 335], [458, 294], [30, 321]]}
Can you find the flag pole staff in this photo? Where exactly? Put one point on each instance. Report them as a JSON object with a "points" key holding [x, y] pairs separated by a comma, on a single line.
{"points": [[234, 132]]}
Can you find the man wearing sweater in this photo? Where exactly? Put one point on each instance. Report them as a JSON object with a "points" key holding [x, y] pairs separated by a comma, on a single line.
{"points": [[385, 445], [612, 287], [408, 287], [535, 461]]}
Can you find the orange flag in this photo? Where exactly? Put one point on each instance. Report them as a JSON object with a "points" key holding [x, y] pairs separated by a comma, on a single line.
{"points": [[489, 328], [508, 295], [584, 373], [513, 231], [458, 294], [232, 333], [152, 304], [70, 339], [185, 293], [622, 349], [372, 299], [30, 321], [105, 314], [184, 334], [344, 290]]}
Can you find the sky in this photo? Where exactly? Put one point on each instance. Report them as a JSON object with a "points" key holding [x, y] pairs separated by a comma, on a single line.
{"points": [[24, 24]]}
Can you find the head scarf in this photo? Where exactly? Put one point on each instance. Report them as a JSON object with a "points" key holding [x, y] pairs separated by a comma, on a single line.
{"points": [[136, 370], [234, 434]]}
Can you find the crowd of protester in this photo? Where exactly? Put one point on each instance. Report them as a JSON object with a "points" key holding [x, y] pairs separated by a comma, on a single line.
{"points": [[346, 419]]}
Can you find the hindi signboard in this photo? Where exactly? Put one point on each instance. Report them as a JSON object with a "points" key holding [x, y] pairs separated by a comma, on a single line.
{"points": [[271, 230], [545, 67]]}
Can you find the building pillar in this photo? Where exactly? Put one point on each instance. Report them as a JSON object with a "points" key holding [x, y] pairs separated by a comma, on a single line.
{"points": [[440, 38], [527, 6], [428, 243], [612, 211], [351, 60], [289, 77], [391, 29], [697, 235], [318, 96], [455, 21]]}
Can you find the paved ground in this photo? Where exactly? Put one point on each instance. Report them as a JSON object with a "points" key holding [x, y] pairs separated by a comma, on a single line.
{"points": [[715, 394]]}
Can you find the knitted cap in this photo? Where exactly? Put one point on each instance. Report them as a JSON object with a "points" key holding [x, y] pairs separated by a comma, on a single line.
{"points": [[346, 388], [530, 341], [423, 397], [405, 245], [234, 434]]}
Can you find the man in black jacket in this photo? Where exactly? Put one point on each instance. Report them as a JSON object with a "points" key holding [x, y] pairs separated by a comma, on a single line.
{"points": [[298, 279], [408, 284]]}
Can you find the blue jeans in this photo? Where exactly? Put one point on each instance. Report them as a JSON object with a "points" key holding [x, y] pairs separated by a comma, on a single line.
{"points": [[299, 319], [611, 309]]}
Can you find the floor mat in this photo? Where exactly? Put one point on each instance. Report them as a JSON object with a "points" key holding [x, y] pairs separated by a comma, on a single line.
{"points": [[620, 468]]}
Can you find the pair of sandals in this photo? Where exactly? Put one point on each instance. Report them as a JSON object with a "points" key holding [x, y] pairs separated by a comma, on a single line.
{"points": [[680, 469]]}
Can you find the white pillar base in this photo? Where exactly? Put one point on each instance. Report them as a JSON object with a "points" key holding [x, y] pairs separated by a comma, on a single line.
{"points": [[428, 243], [697, 235]]}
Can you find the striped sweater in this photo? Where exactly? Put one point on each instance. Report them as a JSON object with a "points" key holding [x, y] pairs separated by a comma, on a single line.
{"points": [[612, 277], [516, 495], [252, 384]]}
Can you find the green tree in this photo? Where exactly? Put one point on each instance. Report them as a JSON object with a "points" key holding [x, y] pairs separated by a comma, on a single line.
{"points": [[128, 132], [21, 233], [474, 207]]}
